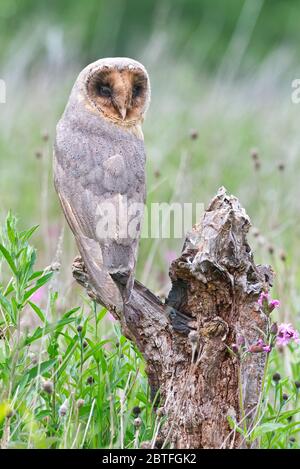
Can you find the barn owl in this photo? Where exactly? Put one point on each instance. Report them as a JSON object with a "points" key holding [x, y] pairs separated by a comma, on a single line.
{"points": [[99, 170]]}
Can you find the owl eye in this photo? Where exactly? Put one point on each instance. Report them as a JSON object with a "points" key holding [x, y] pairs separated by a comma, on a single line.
{"points": [[105, 91], [136, 91]]}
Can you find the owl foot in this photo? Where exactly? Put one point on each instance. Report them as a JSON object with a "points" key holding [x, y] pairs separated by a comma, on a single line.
{"points": [[180, 322], [176, 300], [124, 281]]}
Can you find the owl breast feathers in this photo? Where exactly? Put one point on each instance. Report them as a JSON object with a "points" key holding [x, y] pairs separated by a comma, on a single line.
{"points": [[99, 171]]}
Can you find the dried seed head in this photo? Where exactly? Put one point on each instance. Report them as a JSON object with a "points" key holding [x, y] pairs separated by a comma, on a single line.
{"points": [[90, 380], [9, 413], [136, 411], [194, 134], [63, 409], [146, 445], [271, 249], [54, 267], [80, 403], [45, 136], [193, 337], [255, 232], [34, 359], [47, 386], [257, 165], [160, 412], [137, 422], [276, 377], [282, 256], [261, 240], [274, 328], [159, 442], [254, 154]]}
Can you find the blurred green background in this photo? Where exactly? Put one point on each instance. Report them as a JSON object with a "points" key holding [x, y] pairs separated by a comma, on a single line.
{"points": [[221, 114]]}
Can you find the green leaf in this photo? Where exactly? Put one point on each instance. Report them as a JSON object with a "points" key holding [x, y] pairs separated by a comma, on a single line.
{"points": [[4, 410], [67, 357], [142, 397], [39, 369], [35, 275], [71, 345], [25, 235], [41, 281], [94, 349], [266, 428], [43, 413], [72, 311], [42, 331], [102, 359], [8, 259], [10, 232], [6, 305], [101, 314], [38, 311]]}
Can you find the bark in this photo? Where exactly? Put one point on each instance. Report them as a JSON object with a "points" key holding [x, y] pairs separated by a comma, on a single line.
{"points": [[213, 300]]}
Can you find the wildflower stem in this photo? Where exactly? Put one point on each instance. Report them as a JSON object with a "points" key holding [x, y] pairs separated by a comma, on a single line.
{"points": [[81, 362], [241, 398], [95, 314], [88, 423], [257, 414], [54, 398]]}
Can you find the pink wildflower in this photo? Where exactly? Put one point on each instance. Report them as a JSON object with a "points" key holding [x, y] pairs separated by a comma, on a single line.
{"points": [[286, 333], [170, 256], [263, 298], [39, 295], [267, 348], [259, 347], [110, 317], [274, 304], [267, 304]]}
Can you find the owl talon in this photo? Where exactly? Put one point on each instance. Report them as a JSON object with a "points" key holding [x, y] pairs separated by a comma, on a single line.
{"points": [[180, 322]]}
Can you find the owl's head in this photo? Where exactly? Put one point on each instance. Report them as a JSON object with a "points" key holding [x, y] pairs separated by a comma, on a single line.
{"points": [[119, 89]]}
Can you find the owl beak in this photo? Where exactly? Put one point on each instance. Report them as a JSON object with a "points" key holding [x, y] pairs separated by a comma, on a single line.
{"points": [[121, 107], [123, 112]]}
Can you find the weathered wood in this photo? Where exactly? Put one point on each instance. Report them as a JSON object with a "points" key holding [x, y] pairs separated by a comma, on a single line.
{"points": [[215, 287]]}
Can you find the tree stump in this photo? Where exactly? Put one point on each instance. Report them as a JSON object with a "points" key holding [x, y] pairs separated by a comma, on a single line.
{"points": [[185, 341]]}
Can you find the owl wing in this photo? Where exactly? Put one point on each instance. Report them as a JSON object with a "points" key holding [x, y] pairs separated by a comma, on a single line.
{"points": [[86, 182]]}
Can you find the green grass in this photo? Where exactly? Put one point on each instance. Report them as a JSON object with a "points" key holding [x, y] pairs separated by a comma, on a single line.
{"points": [[71, 381]]}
